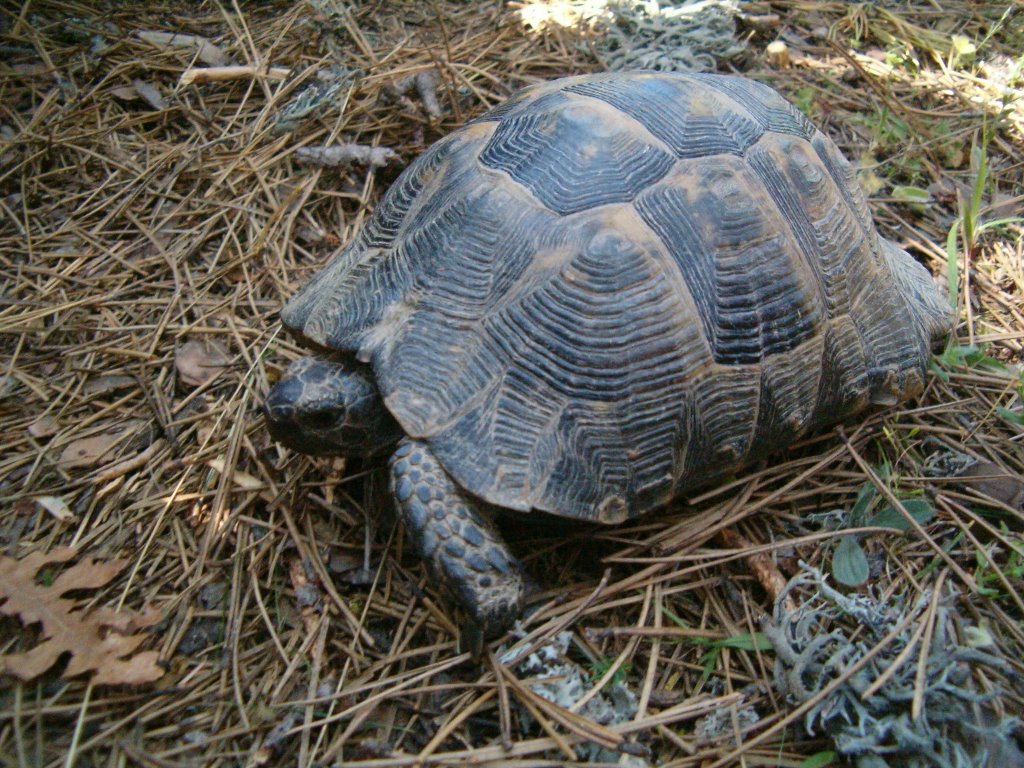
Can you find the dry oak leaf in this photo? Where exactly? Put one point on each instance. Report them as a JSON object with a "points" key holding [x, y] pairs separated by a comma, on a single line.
{"points": [[199, 361], [90, 451], [87, 635]]}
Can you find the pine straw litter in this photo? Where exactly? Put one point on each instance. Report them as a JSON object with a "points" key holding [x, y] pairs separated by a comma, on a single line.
{"points": [[170, 175]]}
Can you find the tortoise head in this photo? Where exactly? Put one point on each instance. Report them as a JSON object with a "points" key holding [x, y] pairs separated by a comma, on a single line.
{"points": [[327, 408]]}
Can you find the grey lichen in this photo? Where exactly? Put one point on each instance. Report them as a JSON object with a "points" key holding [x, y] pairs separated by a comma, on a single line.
{"points": [[957, 725], [323, 93], [668, 37], [553, 675]]}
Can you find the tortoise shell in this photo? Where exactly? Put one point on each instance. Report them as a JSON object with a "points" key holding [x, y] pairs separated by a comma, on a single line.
{"points": [[616, 287]]}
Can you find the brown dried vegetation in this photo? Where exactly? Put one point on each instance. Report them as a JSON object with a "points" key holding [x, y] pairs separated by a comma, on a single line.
{"points": [[139, 215]]}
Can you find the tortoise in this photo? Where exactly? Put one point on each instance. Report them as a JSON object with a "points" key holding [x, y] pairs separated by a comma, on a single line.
{"points": [[600, 294]]}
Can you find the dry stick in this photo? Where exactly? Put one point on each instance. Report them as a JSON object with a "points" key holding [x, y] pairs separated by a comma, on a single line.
{"points": [[761, 565], [124, 467], [345, 155], [922, 662], [504, 711]]}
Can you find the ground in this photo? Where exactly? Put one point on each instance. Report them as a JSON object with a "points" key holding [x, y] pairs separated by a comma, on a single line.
{"points": [[210, 598]]}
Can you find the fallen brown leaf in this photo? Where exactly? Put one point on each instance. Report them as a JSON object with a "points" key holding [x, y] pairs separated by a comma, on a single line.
{"points": [[989, 479], [68, 629], [89, 451], [197, 362], [108, 383], [44, 426], [150, 94]]}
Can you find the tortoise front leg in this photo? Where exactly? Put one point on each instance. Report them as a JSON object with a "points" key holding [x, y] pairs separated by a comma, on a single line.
{"points": [[456, 535]]}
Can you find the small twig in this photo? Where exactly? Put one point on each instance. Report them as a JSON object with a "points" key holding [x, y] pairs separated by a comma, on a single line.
{"points": [[128, 465], [346, 154], [504, 711], [921, 674], [199, 75], [761, 565]]}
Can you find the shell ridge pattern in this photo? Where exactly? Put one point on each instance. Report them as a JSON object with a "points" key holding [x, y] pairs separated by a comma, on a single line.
{"points": [[690, 118], [615, 287], [761, 102], [714, 217], [845, 177], [491, 241], [571, 156], [622, 363], [790, 184], [353, 292], [613, 112]]}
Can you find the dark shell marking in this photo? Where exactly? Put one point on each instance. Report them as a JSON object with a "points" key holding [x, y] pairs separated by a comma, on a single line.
{"points": [[616, 287]]}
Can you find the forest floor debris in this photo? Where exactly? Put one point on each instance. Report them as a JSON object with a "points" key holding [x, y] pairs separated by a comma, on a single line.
{"points": [[140, 214]]}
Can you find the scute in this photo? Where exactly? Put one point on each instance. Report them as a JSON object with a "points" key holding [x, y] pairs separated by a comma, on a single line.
{"points": [[616, 287], [571, 156], [690, 119], [720, 221]]}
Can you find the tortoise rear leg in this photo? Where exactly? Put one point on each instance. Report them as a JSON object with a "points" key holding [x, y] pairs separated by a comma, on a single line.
{"points": [[455, 534]]}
